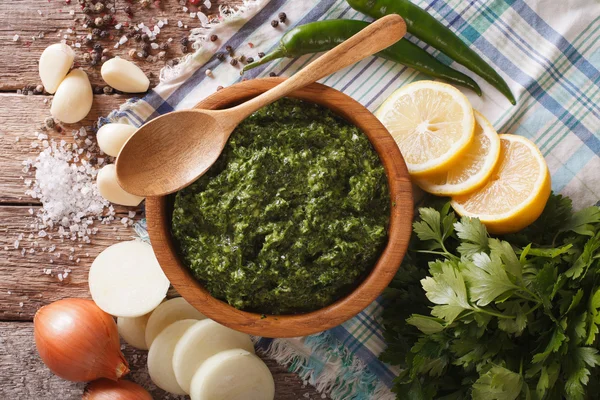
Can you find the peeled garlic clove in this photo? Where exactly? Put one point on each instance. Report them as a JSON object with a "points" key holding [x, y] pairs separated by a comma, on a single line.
{"points": [[55, 63], [125, 76], [112, 137], [133, 330], [73, 99], [109, 188]]}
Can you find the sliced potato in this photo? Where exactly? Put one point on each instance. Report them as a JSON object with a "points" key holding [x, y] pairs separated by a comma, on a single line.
{"points": [[160, 356], [133, 330], [126, 280], [203, 340], [233, 375], [168, 312]]}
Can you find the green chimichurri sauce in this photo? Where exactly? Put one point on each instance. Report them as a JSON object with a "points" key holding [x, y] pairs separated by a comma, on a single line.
{"points": [[292, 215]]}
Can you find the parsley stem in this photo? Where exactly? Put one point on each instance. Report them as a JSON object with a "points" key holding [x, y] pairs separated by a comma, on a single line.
{"points": [[538, 305], [535, 296], [494, 314]]}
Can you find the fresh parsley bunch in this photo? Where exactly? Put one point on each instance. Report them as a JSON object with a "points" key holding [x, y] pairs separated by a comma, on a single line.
{"points": [[514, 317]]}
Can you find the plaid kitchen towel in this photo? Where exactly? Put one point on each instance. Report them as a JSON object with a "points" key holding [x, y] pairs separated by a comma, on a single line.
{"points": [[547, 50]]}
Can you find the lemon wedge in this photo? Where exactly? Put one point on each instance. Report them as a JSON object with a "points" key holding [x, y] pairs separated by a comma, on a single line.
{"points": [[517, 191], [473, 169], [432, 123]]}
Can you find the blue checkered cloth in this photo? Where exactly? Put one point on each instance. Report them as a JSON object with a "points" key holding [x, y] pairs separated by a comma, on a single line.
{"points": [[547, 50]]}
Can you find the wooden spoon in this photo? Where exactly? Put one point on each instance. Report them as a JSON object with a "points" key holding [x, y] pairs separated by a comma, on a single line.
{"points": [[173, 150]]}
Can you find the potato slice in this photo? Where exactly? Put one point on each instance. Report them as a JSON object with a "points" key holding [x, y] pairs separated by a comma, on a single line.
{"points": [[160, 356], [233, 375], [203, 340], [168, 312], [133, 330], [126, 280]]}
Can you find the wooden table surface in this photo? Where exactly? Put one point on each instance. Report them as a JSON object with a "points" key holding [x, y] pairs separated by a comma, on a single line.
{"points": [[24, 287]]}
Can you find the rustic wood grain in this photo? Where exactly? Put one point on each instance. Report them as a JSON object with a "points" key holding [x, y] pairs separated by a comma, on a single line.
{"points": [[19, 63], [25, 377]]}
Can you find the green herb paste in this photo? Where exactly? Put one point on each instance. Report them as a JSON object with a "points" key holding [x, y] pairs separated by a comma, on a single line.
{"points": [[292, 215]]}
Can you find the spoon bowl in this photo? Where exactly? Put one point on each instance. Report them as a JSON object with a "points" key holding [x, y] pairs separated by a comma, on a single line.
{"points": [[172, 151]]}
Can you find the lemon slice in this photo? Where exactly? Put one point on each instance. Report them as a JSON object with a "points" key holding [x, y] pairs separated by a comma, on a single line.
{"points": [[517, 191], [432, 124], [473, 169]]}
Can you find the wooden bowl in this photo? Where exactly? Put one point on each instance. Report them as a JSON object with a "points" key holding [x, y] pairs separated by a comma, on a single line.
{"points": [[159, 212]]}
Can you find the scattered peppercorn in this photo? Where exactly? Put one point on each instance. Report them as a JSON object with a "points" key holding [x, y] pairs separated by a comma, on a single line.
{"points": [[250, 60], [107, 90], [144, 54], [137, 37], [146, 46], [184, 49], [39, 89], [271, 74], [99, 21], [220, 56], [185, 41], [145, 3], [107, 19], [87, 41], [49, 122], [97, 89], [98, 47], [96, 32], [145, 37], [229, 49], [86, 10], [213, 38], [128, 10], [99, 7], [208, 73], [103, 34], [233, 61], [282, 17], [162, 55], [242, 58], [164, 46], [261, 54], [274, 23]]}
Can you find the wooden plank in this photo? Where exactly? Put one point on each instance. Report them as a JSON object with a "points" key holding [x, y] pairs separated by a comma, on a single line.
{"points": [[25, 377], [24, 287], [29, 18], [20, 118]]}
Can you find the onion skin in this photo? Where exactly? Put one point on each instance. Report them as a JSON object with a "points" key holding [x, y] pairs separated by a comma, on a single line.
{"points": [[78, 341], [104, 389]]}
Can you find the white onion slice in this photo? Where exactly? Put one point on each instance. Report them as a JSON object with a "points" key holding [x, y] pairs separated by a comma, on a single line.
{"points": [[133, 330], [160, 357], [126, 280], [233, 375], [168, 312], [203, 340]]}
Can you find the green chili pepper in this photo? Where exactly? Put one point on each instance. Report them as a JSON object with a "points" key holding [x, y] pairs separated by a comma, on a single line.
{"points": [[320, 36], [422, 25]]}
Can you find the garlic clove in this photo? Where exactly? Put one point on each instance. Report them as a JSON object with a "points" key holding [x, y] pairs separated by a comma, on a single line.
{"points": [[168, 312], [125, 280], [125, 76], [55, 63], [160, 356], [112, 137], [109, 188], [73, 98]]}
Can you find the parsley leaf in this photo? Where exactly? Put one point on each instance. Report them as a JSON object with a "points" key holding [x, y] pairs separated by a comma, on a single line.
{"points": [[487, 278], [498, 384], [447, 289]]}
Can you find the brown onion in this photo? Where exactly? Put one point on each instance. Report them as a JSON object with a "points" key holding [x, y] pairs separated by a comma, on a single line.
{"points": [[78, 341], [104, 389]]}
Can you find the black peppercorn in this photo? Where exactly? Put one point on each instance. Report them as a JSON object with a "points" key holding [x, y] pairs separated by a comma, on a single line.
{"points": [[233, 61], [272, 74], [282, 17], [107, 19], [164, 46], [145, 37], [274, 23], [97, 90], [184, 49], [146, 47], [50, 124], [229, 49], [103, 34], [261, 54], [107, 90], [185, 41], [87, 41], [137, 37], [96, 32], [89, 22], [98, 47], [213, 38], [130, 34], [144, 54], [220, 56], [250, 60], [86, 10]]}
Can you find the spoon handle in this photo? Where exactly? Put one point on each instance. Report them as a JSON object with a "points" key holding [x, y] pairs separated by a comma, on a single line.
{"points": [[374, 38]]}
